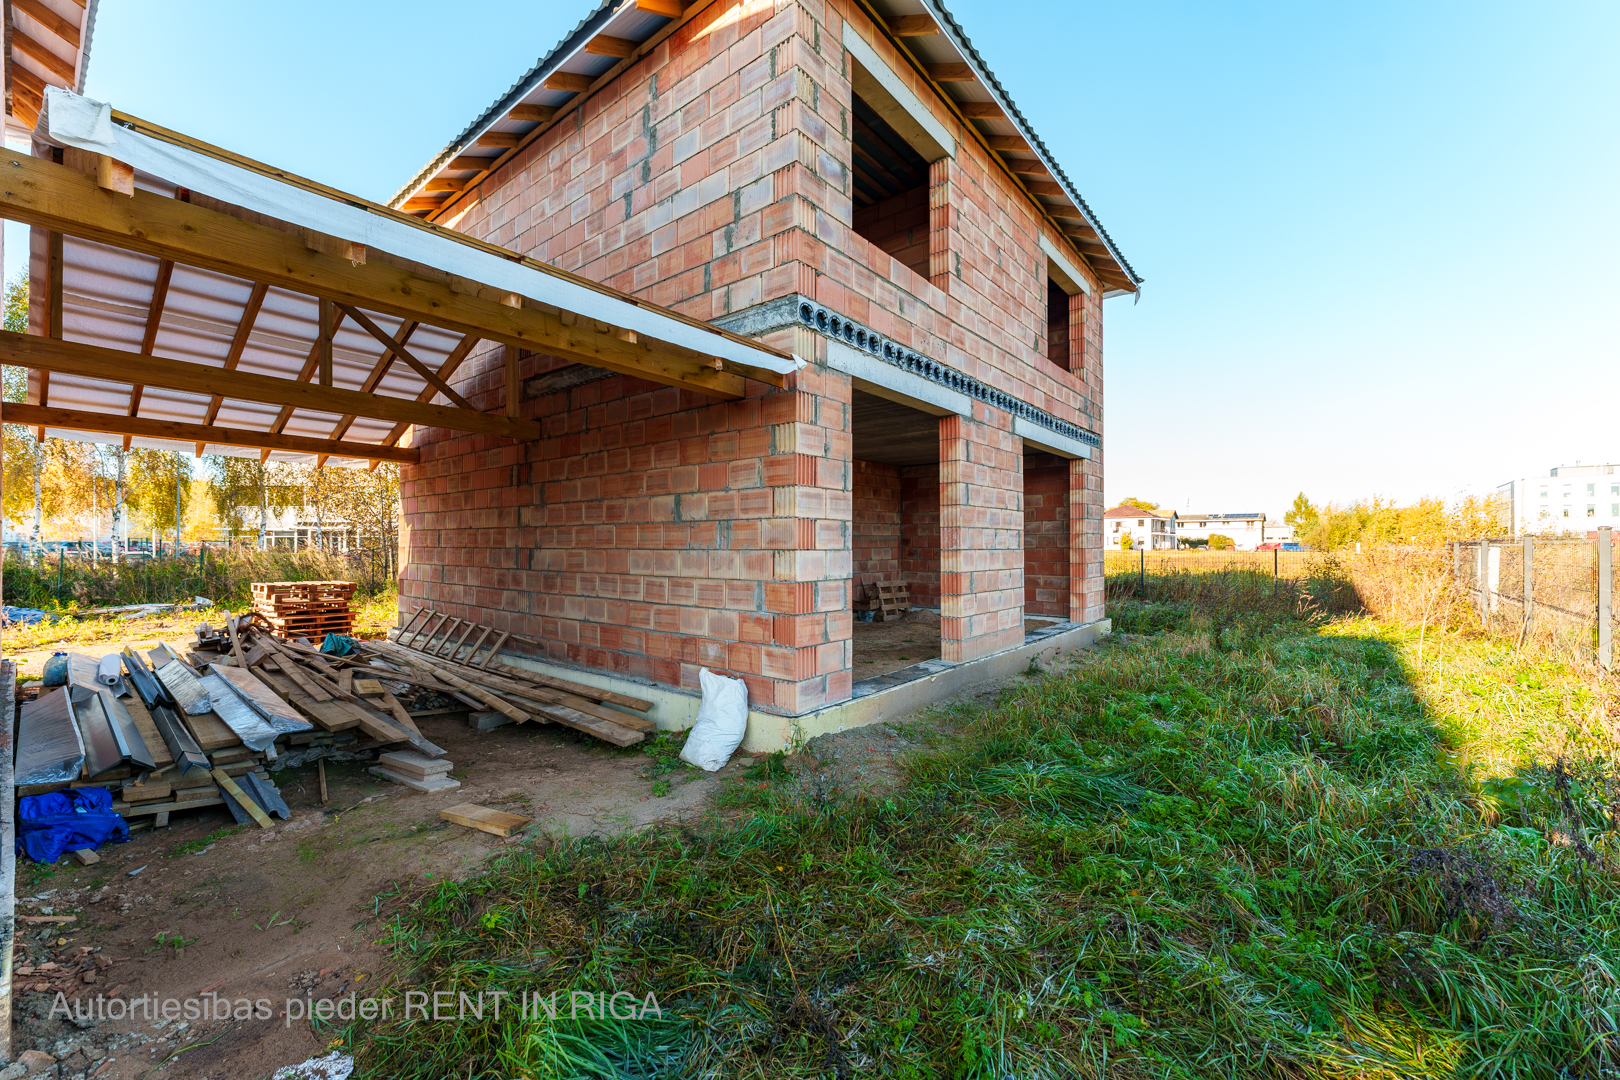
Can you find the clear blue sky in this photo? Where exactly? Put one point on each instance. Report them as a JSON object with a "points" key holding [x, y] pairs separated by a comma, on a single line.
{"points": [[1380, 239]]}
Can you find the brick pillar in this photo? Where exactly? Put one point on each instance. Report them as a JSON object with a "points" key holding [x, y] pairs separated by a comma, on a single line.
{"points": [[981, 517], [1086, 539], [809, 473], [941, 224]]}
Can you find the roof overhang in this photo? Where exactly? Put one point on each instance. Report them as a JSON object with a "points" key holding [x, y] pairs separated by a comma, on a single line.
{"points": [[47, 43], [620, 32], [187, 297]]}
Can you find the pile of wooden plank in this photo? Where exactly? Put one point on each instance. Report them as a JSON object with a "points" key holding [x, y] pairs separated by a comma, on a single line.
{"points": [[435, 651], [308, 609], [167, 733]]}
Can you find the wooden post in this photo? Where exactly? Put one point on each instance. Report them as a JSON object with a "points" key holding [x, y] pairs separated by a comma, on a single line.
{"points": [[1529, 605], [514, 385], [328, 329], [1141, 572], [1605, 598]]}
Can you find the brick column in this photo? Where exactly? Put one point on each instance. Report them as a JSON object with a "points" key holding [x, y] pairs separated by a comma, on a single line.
{"points": [[1086, 539], [809, 474], [981, 535]]}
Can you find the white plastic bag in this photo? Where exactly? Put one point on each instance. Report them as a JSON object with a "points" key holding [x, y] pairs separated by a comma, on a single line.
{"points": [[721, 721]]}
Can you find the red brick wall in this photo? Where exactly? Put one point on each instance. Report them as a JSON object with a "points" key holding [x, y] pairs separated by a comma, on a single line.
{"points": [[653, 531], [875, 526], [1046, 535], [981, 492], [919, 533], [899, 226]]}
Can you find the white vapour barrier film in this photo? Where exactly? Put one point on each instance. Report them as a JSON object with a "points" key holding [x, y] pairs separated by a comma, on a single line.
{"points": [[75, 121]]}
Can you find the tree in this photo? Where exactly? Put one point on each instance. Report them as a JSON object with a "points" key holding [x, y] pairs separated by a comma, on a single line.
{"points": [[1140, 504], [1303, 516], [369, 503], [1221, 542], [1125, 542], [159, 482]]}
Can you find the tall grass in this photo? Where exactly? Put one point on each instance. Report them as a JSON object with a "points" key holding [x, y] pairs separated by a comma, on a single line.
{"points": [[224, 575], [1248, 844]]}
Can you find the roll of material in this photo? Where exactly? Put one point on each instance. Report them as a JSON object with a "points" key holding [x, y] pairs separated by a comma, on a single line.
{"points": [[110, 673]]}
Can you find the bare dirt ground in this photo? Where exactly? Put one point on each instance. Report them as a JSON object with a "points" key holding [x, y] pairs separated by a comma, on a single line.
{"points": [[881, 647], [284, 913], [209, 907]]}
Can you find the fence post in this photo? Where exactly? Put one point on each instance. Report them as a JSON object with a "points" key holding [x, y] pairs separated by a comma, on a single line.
{"points": [[1482, 572], [1528, 609], [1141, 572], [1605, 597], [61, 556], [1276, 569]]}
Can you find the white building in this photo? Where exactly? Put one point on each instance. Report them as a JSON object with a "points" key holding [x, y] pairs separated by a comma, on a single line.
{"points": [[1147, 528], [1247, 531], [1569, 499]]}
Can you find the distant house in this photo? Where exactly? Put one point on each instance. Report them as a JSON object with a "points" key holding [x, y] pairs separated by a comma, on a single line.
{"points": [[1247, 531], [1146, 528]]}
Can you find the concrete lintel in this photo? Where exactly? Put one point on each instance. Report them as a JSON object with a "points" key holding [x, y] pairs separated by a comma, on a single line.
{"points": [[902, 105], [676, 710], [1068, 276], [1045, 439], [887, 381]]}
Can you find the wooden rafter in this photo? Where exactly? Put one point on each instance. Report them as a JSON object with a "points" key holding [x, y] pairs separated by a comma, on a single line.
{"points": [[201, 434], [112, 365], [50, 196], [375, 378], [244, 329], [42, 55], [397, 346], [446, 370], [154, 319], [49, 19], [312, 364]]}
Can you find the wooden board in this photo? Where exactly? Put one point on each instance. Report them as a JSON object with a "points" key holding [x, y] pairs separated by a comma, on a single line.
{"points": [[325, 714], [482, 818], [210, 731], [149, 732], [243, 800]]}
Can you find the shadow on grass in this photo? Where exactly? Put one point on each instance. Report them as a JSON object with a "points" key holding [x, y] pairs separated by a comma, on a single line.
{"points": [[1235, 847]]}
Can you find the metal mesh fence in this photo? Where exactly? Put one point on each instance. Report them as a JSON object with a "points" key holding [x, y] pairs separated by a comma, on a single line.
{"points": [[1533, 585]]}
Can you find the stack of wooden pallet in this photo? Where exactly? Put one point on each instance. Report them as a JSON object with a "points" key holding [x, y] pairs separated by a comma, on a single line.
{"points": [[884, 598], [310, 609]]}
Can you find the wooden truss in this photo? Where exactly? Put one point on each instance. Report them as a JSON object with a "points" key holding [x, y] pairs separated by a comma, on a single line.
{"points": [[96, 200]]}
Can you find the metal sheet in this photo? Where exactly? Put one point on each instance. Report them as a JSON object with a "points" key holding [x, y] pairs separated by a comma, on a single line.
{"points": [[49, 748], [123, 725], [187, 754], [182, 684], [262, 792], [103, 748], [237, 714]]}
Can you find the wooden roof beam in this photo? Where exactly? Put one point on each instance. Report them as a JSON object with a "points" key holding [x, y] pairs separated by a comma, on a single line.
{"points": [[50, 20], [913, 26], [112, 365], [962, 73], [42, 55], [671, 9], [40, 193], [981, 110], [568, 80], [201, 434], [608, 45], [532, 114]]}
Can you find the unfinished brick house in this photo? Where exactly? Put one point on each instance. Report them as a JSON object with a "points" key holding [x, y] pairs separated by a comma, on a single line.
{"points": [[846, 182]]}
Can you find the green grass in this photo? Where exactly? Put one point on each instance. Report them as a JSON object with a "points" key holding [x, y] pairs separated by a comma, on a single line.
{"points": [[1242, 846]]}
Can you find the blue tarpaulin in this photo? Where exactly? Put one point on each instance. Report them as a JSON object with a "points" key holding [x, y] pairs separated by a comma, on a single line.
{"points": [[337, 645], [61, 821]]}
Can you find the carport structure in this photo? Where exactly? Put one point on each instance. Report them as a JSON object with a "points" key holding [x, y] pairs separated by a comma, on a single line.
{"points": [[187, 298]]}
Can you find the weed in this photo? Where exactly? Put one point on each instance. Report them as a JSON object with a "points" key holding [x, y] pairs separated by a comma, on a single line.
{"points": [[177, 942], [663, 751], [186, 847], [660, 788]]}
